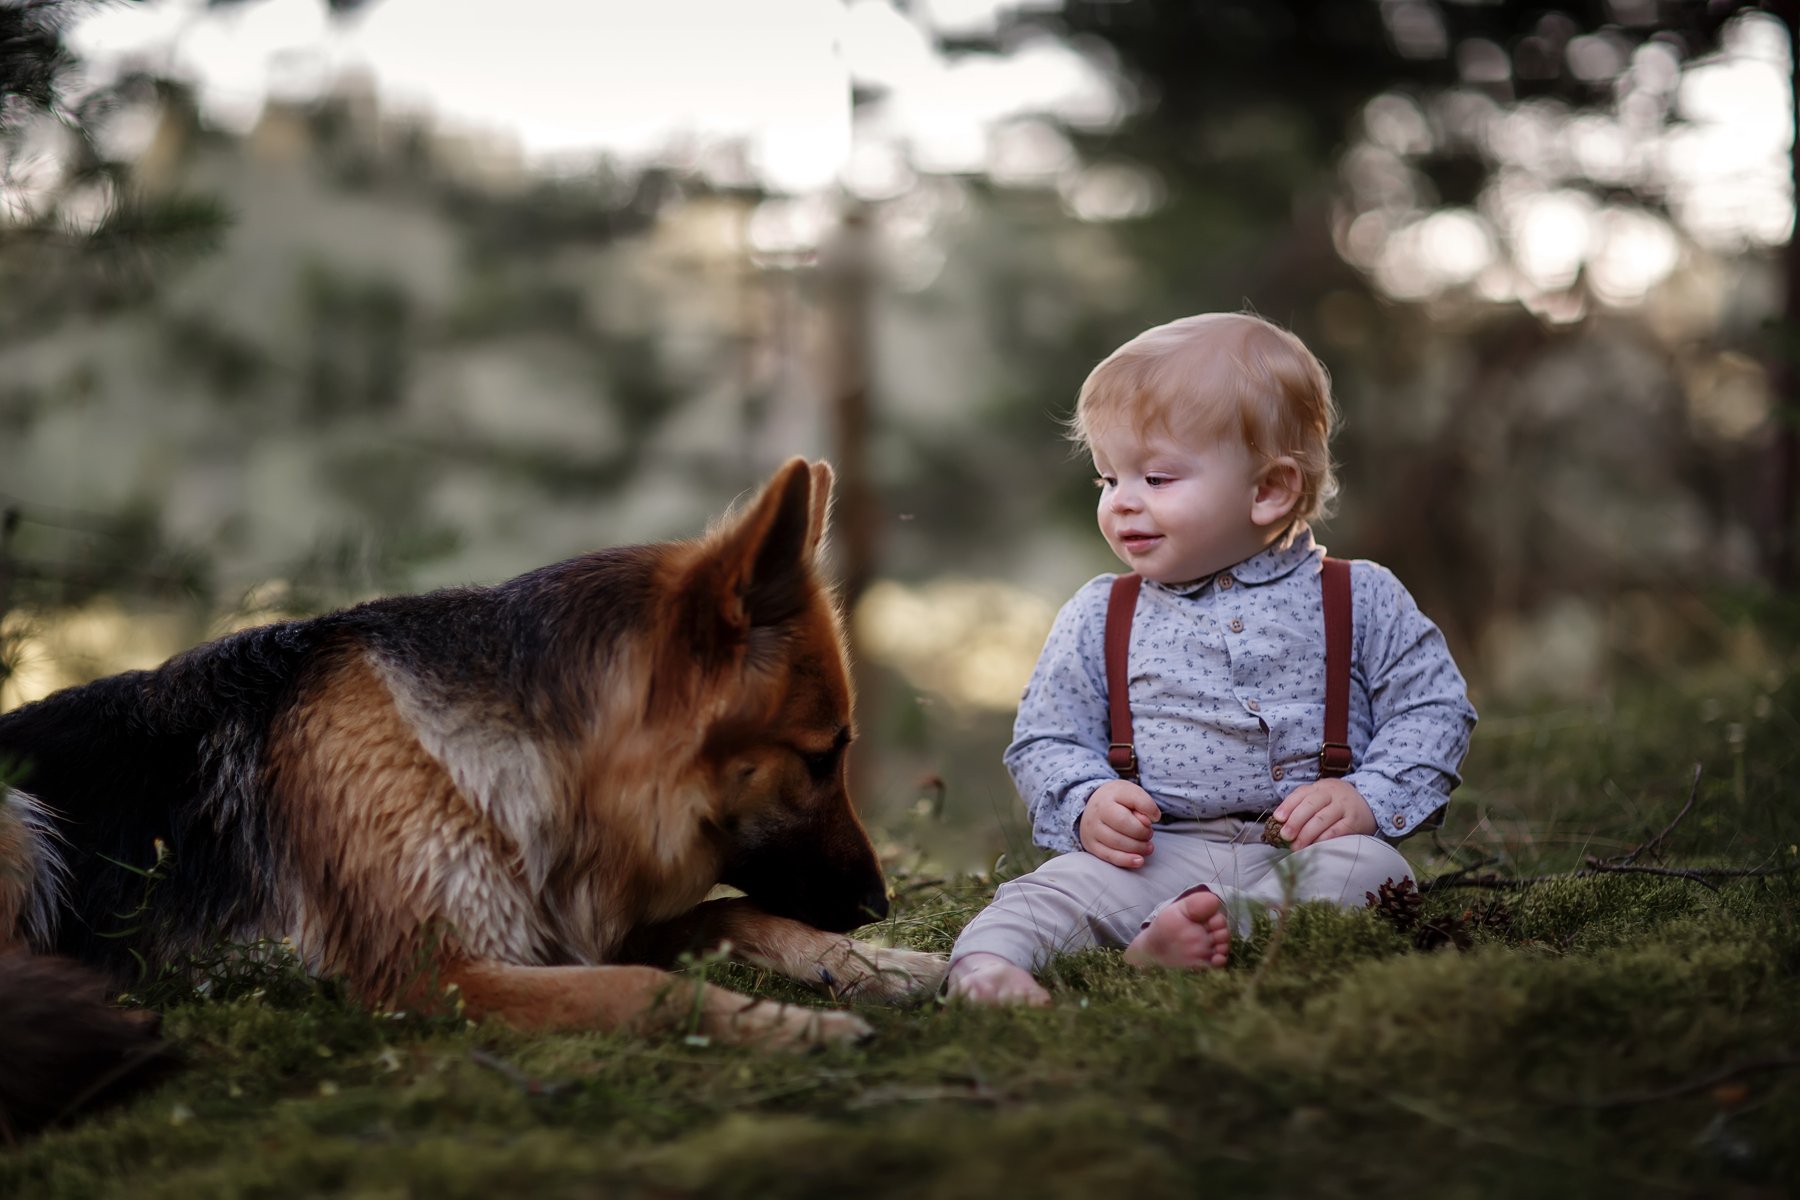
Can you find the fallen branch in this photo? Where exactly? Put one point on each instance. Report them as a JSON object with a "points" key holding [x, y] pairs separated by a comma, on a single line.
{"points": [[896, 1093], [1450, 878], [1655, 843], [907, 887], [529, 1085], [1623, 864], [1714, 1079], [1700, 875]]}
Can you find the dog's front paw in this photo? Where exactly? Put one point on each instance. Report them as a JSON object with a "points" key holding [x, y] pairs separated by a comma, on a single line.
{"points": [[770, 1025], [882, 973]]}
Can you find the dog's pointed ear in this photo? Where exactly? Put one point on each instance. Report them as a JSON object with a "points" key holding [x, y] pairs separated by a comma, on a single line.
{"points": [[765, 557], [820, 515]]}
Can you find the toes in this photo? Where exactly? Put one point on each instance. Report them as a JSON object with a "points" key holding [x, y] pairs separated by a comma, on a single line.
{"points": [[1193, 933], [998, 984], [1032, 996], [1202, 907]]}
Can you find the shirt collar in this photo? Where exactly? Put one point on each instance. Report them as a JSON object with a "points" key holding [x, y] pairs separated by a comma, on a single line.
{"points": [[1265, 566]]}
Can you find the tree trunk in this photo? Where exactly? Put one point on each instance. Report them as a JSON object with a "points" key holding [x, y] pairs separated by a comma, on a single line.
{"points": [[847, 271], [1781, 554], [848, 276]]}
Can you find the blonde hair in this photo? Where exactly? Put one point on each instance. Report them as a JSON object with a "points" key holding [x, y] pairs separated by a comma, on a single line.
{"points": [[1218, 375]]}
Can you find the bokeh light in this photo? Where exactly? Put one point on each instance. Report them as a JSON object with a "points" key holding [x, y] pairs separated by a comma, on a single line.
{"points": [[1721, 165]]}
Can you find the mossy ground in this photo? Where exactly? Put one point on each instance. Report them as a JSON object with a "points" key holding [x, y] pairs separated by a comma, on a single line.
{"points": [[1586, 1046]]}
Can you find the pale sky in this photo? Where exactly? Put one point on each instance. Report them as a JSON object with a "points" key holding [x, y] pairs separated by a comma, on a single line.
{"points": [[1723, 168], [566, 78]]}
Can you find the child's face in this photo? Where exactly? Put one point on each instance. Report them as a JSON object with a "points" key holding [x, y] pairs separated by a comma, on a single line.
{"points": [[1173, 510]]}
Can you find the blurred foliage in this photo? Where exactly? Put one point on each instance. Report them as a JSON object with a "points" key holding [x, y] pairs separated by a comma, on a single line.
{"points": [[346, 353], [53, 262], [1243, 112], [355, 332], [1266, 95]]}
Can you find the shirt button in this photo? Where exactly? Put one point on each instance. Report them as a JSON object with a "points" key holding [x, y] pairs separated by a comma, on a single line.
{"points": [[1277, 773], [1226, 581], [1253, 706], [1236, 626], [1399, 821]]}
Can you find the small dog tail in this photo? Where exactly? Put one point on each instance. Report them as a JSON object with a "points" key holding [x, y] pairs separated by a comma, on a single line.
{"points": [[32, 873], [67, 1050], [64, 1049]]}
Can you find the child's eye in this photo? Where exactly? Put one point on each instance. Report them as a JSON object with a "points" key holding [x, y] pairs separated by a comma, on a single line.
{"points": [[1156, 480], [1104, 481]]}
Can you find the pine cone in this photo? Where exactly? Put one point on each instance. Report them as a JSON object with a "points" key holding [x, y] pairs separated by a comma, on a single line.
{"points": [[1271, 835], [1397, 903], [1493, 916], [1441, 932]]}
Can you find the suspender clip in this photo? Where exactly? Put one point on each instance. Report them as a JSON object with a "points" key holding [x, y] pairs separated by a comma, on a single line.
{"points": [[1122, 757], [1334, 760]]}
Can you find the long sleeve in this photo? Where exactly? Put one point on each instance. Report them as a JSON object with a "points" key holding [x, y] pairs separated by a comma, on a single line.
{"points": [[1058, 754], [1420, 713]]}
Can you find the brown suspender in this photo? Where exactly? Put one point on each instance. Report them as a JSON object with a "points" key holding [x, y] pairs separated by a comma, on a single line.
{"points": [[1119, 608], [1334, 752]]}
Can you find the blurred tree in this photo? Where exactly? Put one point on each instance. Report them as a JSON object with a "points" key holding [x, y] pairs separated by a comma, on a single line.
{"points": [[1224, 84], [71, 228], [1244, 108], [9, 526], [382, 319], [77, 238]]}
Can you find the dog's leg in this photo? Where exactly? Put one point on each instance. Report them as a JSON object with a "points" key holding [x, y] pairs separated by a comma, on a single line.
{"points": [[642, 999], [841, 967]]}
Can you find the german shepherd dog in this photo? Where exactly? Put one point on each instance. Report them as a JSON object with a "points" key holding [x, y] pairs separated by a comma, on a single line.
{"points": [[517, 796]]}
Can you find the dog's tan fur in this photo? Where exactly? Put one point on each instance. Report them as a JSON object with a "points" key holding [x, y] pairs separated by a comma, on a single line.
{"points": [[542, 861]]}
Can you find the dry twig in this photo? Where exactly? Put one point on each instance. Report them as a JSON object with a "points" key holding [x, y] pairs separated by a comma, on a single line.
{"points": [[529, 1085], [1713, 1079], [1655, 843], [1623, 864]]}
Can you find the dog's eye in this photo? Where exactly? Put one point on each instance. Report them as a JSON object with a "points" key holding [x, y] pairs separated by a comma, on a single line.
{"points": [[823, 765]]}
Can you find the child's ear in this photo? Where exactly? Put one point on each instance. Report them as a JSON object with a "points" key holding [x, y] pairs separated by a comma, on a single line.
{"points": [[1277, 491]]}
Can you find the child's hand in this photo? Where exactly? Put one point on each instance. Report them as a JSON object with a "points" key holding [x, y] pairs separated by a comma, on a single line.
{"points": [[1317, 812], [1115, 825]]}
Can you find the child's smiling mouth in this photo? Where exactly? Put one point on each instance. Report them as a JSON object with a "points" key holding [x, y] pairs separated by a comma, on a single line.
{"points": [[1139, 541]]}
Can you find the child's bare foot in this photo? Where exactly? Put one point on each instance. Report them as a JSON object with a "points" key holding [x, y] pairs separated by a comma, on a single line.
{"points": [[1193, 933], [989, 979]]}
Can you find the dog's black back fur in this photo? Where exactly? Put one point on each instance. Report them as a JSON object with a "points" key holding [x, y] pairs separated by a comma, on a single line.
{"points": [[177, 753], [148, 755]]}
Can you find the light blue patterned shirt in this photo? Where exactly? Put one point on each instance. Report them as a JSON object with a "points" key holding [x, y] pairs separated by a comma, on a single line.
{"points": [[1227, 679]]}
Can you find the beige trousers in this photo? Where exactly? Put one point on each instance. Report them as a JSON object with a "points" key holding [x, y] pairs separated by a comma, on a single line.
{"points": [[1075, 901]]}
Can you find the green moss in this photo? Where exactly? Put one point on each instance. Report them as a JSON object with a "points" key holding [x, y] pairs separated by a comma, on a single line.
{"points": [[1605, 910], [1572, 1049]]}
